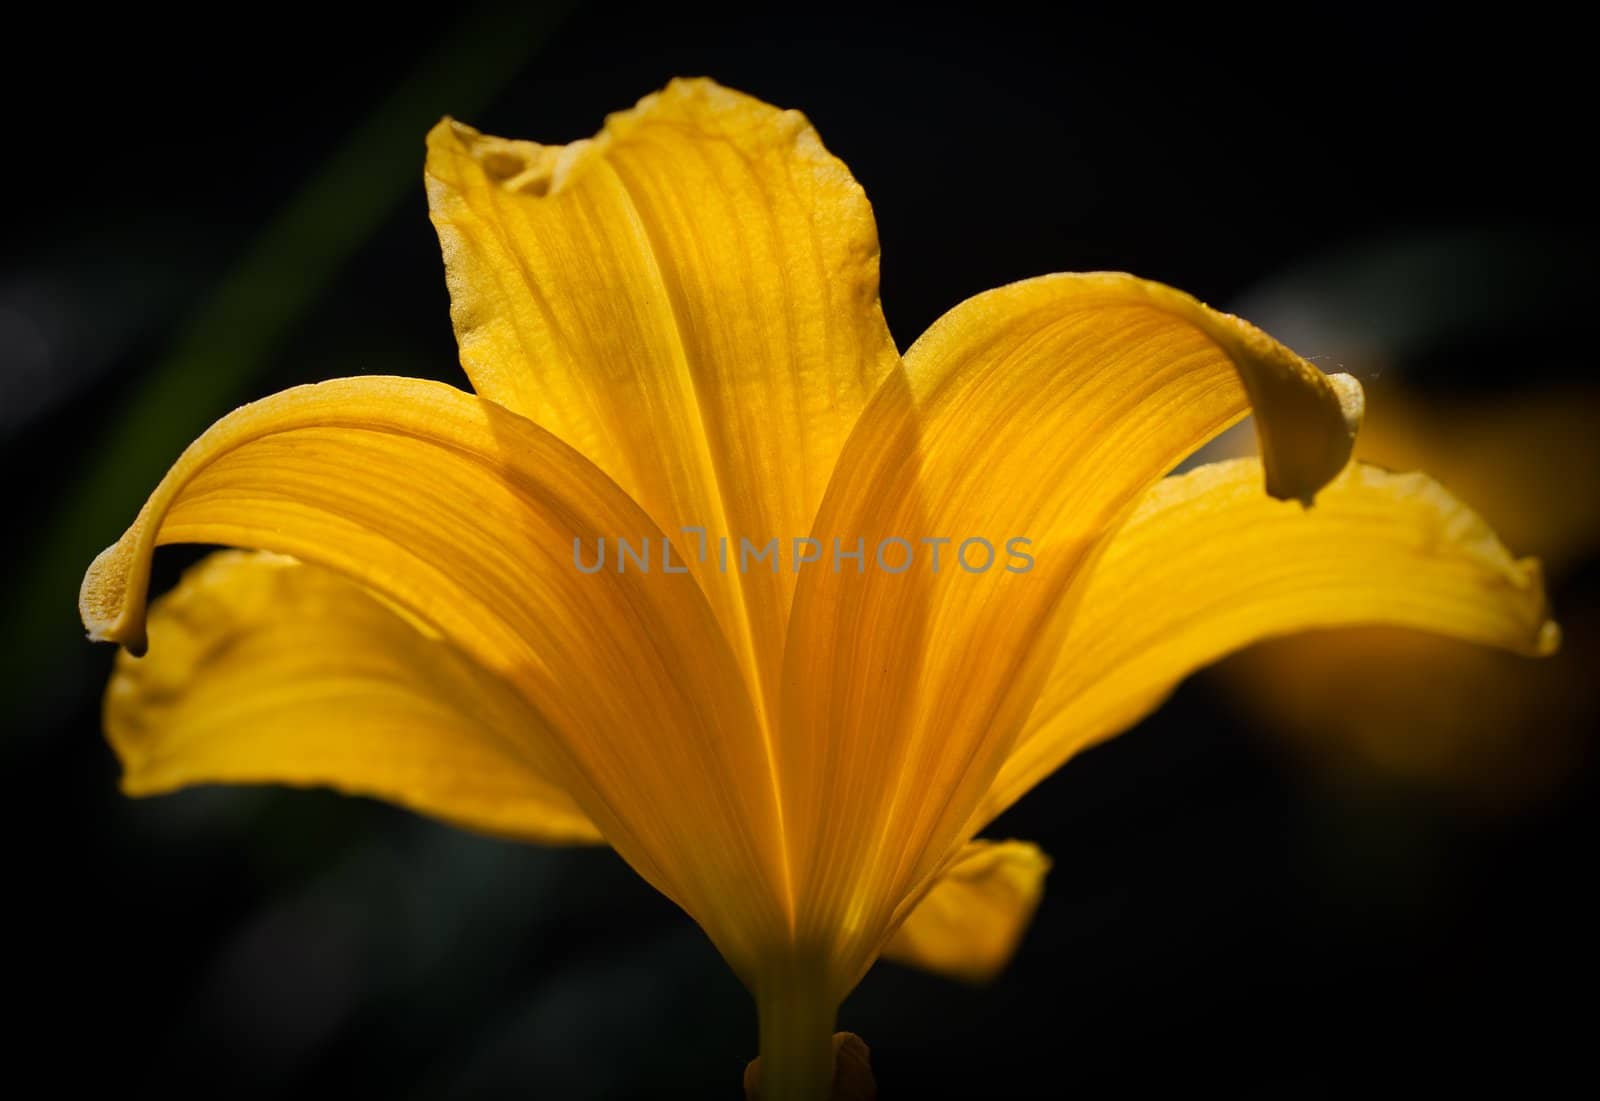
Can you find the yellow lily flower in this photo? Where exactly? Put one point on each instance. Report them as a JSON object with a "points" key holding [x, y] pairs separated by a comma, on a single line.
{"points": [[674, 338]]}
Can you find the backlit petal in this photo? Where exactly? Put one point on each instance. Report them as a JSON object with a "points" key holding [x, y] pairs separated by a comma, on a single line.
{"points": [[969, 924], [465, 515], [690, 299], [1209, 564], [265, 670], [1493, 731], [1038, 411]]}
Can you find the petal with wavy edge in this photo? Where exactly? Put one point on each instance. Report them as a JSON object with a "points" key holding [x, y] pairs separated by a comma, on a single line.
{"points": [[265, 670], [1209, 564], [465, 515], [690, 299], [1040, 411], [969, 923]]}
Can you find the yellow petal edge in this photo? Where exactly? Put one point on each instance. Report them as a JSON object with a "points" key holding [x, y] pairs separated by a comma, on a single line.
{"points": [[970, 922], [1042, 410], [267, 670], [465, 515], [690, 299], [1208, 565]]}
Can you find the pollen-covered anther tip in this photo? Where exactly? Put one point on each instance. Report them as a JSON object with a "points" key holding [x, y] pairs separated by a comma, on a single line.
{"points": [[852, 1071]]}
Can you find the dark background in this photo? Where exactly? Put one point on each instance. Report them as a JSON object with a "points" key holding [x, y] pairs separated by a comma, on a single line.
{"points": [[203, 214]]}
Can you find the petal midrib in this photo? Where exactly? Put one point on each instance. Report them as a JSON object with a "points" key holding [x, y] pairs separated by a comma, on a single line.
{"points": [[745, 645]]}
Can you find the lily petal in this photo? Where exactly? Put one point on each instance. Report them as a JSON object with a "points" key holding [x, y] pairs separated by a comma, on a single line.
{"points": [[690, 299], [465, 516], [266, 670], [1209, 564], [1038, 411], [969, 924]]}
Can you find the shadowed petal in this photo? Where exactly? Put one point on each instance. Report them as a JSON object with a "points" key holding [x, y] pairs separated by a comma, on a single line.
{"points": [[265, 670], [1209, 564], [969, 924], [465, 516]]}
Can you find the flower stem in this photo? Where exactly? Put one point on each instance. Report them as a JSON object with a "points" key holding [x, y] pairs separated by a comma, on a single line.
{"points": [[796, 1043]]}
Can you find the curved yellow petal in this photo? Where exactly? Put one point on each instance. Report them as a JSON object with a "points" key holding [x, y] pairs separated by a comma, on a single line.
{"points": [[1209, 564], [1529, 458], [969, 923], [1492, 731], [465, 516], [265, 670], [690, 298], [1040, 412]]}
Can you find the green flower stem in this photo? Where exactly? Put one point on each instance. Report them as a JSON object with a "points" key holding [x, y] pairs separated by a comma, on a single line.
{"points": [[797, 1060]]}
